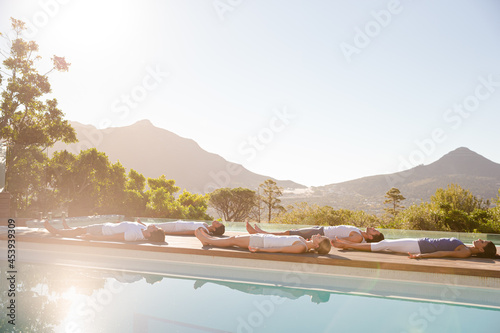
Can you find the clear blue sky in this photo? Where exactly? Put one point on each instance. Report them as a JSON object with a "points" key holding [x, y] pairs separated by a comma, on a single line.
{"points": [[317, 92]]}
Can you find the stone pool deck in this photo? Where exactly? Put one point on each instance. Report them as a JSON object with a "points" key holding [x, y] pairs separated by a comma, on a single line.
{"points": [[31, 243]]}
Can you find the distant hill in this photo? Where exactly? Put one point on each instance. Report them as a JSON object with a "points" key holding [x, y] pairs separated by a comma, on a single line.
{"points": [[462, 166], [153, 152]]}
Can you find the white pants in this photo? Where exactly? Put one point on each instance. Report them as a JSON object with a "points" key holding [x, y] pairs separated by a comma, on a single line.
{"points": [[403, 245]]}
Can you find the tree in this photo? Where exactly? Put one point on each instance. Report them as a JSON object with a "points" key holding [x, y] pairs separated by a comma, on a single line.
{"points": [[459, 209], [270, 196], [161, 199], [394, 197], [256, 212], [194, 205], [455, 197], [135, 198], [136, 181], [114, 190], [233, 204], [84, 180], [28, 125]]}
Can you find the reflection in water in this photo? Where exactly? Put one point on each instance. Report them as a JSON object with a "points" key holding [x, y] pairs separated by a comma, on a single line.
{"points": [[317, 296], [43, 295], [69, 299]]}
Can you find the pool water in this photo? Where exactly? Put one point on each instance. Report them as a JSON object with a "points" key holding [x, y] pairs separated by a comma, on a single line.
{"points": [[53, 298]]}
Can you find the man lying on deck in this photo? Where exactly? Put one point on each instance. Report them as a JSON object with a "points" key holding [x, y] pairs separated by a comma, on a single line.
{"points": [[418, 248], [122, 231], [268, 243], [189, 227], [347, 232]]}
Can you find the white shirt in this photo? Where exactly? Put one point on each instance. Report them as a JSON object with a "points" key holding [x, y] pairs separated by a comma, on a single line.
{"points": [[132, 230], [178, 226], [267, 241], [341, 231]]}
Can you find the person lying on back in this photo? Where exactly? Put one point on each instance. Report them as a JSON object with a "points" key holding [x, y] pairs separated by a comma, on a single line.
{"points": [[419, 248], [347, 232], [189, 227], [122, 231]]}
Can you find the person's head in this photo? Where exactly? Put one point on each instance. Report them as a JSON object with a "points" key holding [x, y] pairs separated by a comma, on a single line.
{"points": [[217, 229], [373, 235], [486, 249], [154, 234], [321, 244]]}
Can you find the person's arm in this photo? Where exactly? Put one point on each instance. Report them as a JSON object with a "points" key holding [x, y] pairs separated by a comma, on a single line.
{"points": [[461, 252], [354, 237], [184, 232], [298, 247], [343, 244], [114, 238]]}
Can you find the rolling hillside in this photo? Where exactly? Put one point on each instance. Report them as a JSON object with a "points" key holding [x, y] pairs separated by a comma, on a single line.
{"points": [[462, 166], [153, 152]]}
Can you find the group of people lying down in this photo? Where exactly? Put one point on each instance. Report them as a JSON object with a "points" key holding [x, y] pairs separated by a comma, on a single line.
{"points": [[314, 239]]}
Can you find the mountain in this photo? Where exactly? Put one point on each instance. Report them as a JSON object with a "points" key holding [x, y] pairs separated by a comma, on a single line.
{"points": [[153, 152], [461, 166]]}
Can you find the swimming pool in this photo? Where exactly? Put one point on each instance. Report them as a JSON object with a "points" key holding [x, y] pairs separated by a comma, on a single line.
{"points": [[65, 298], [273, 227], [120, 288]]}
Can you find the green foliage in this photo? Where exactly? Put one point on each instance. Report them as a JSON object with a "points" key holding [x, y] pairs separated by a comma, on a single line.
{"points": [[87, 183], [24, 178], [163, 183], [270, 196], [394, 197], [195, 206], [303, 213], [455, 197], [135, 203], [136, 181], [163, 203], [135, 197], [450, 209], [418, 217], [28, 124], [161, 199], [233, 204], [83, 184], [114, 188]]}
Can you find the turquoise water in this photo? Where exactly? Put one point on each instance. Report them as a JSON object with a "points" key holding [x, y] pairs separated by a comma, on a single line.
{"points": [[52, 298]]}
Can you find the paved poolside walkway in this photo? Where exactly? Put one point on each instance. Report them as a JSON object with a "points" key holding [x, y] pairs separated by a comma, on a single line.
{"points": [[190, 245]]}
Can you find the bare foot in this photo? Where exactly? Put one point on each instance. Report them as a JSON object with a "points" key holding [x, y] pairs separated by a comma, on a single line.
{"points": [[250, 229], [259, 230], [49, 227], [201, 236]]}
